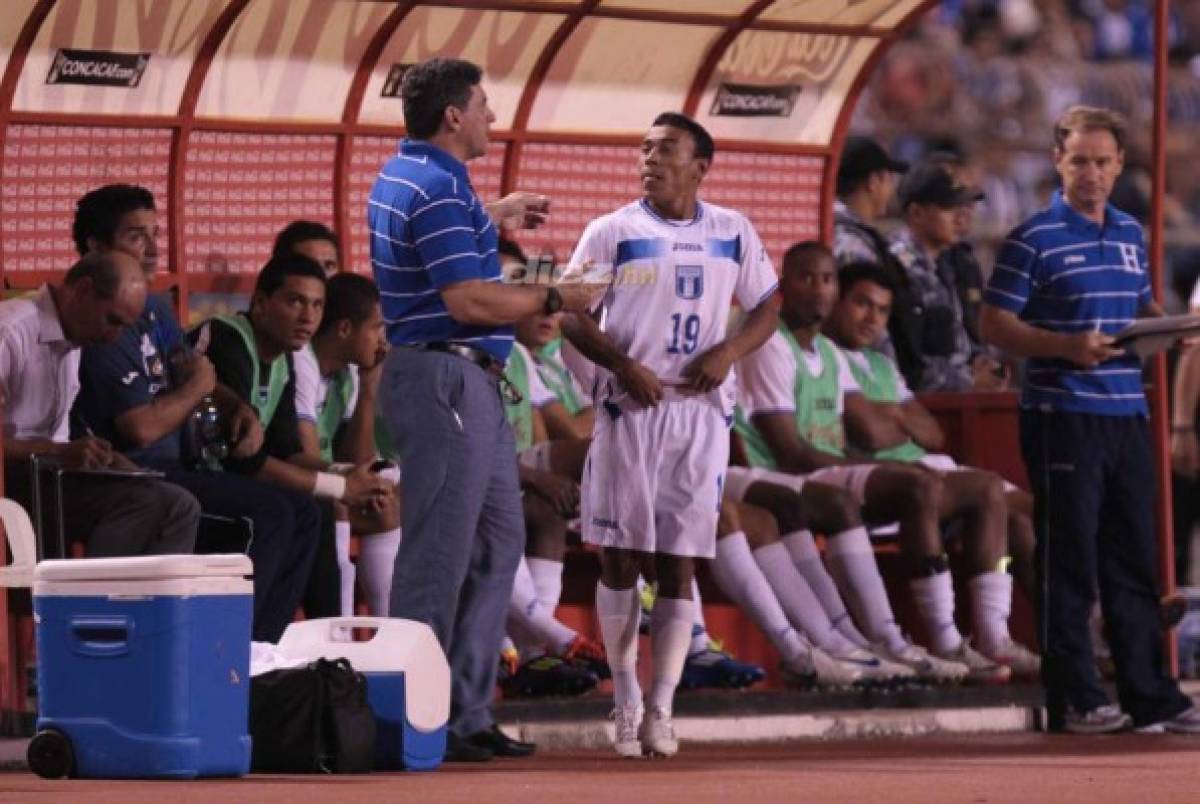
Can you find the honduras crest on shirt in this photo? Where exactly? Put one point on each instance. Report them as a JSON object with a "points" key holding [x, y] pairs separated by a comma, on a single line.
{"points": [[689, 281]]}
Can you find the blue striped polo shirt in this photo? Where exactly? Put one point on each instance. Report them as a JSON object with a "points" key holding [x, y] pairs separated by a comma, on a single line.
{"points": [[1062, 272], [428, 230]]}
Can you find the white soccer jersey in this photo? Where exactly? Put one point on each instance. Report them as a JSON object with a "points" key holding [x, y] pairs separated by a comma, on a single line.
{"points": [[312, 388], [768, 377], [671, 283]]}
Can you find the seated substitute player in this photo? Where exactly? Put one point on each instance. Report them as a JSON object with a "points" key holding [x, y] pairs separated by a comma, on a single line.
{"points": [[897, 427], [337, 380], [140, 391], [651, 488], [794, 392], [314, 240], [252, 354]]}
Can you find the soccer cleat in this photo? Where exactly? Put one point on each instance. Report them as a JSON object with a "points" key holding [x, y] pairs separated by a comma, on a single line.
{"points": [[647, 594], [548, 676], [980, 669], [925, 666], [1104, 719], [627, 720], [1023, 662], [714, 667], [589, 655], [799, 672], [1186, 722], [875, 670], [510, 662], [657, 734]]}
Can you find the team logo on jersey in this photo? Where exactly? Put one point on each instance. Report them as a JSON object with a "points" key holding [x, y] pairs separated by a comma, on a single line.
{"points": [[689, 281], [1129, 258]]}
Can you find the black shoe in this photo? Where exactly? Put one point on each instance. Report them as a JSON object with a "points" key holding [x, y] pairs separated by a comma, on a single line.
{"points": [[460, 749], [497, 743], [547, 676]]}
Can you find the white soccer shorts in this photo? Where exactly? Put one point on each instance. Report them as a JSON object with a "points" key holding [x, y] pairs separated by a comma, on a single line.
{"points": [[739, 479], [653, 478]]}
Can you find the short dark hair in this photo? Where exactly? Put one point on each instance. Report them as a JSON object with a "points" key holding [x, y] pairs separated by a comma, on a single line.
{"points": [[864, 271], [99, 211], [348, 297], [704, 148], [278, 269], [805, 252], [431, 86], [101, 269], [508, 248], [298, 232]]}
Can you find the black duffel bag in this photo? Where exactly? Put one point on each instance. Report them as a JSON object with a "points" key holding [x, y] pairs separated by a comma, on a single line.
{"points": [[312, 719]]}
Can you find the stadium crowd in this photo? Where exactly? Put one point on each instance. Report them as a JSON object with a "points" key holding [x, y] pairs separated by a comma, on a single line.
{"points": [[468, 430]]}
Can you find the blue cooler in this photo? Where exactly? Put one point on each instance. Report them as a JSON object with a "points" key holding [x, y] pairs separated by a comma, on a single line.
{"points": [[143, 667], [408, 682]]}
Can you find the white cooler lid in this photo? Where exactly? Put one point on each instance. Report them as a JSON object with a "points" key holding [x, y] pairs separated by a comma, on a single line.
{"points": [[144, 568]]}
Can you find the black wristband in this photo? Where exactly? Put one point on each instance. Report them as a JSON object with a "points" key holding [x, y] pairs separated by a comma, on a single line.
{"points": [[554, 301]]}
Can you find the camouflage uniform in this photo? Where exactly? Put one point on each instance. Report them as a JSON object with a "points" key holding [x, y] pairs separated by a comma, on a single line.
{"points": [[945, 359]]}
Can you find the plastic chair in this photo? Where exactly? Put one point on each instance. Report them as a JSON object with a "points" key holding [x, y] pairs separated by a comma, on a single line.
{"points": [[19, 532]]}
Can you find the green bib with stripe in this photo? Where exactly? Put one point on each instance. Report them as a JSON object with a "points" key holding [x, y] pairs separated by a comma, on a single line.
{"points": [[818, 420], [263, 398], [878, 384], [557, 378], [519, 414], [333, 408]]}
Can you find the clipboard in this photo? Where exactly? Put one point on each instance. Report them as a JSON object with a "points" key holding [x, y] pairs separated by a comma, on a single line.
{"points": [[1149, 336]]}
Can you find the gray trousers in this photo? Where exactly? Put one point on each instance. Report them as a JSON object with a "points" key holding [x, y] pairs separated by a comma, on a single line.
{"points": [[463, 527]]}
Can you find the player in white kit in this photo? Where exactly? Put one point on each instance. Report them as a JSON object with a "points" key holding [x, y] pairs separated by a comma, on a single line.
{"points": [[664, 397]]}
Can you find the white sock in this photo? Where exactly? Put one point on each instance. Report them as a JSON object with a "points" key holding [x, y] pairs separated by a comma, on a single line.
{"points": [[991, 603], [341, 535], [376, 560], [547, 579], [532, 626], [934, 597], [807, 558], [700, 637], [739, 577], [670, 636], [804, 611], [852, 564], [618, 611]]}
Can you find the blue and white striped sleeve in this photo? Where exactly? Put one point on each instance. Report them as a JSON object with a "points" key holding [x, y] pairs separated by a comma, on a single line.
{"points": [[1145, 294], [1011, 280], [444, 235]]}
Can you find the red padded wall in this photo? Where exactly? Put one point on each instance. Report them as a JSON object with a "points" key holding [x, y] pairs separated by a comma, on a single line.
{"points": [[241, 189], [47, 168]]}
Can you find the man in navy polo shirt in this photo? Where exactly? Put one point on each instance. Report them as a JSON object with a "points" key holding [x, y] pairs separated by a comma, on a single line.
{"points": [[433, 251], [1064, 282]]}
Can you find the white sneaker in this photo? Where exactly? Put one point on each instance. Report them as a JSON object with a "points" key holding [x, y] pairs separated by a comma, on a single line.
{"points": [[877, 669], [658, 734], [924, 665], [1186, 722], [1023, 662], [626, 722], [980, 669]]}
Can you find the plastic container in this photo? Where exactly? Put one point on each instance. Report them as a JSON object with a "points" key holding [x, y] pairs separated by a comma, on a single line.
{"points": [[143, 667], [408, 682]]}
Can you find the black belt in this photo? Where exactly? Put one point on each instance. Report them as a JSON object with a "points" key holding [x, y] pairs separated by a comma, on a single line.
{"points": [[479, 357]]}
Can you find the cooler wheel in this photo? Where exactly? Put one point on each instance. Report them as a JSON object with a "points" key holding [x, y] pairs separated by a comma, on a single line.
{"points": [[50, 755]]}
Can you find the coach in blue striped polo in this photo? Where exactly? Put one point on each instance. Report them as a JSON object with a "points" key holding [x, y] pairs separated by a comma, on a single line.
{"points": [[1064, 282], [433, 252]]}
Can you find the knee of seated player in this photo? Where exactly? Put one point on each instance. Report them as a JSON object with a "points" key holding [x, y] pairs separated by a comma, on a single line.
{"points": [[545, 529], [619, 569], [674, 575], [729, 519], [784, 504], [828, 509], [759, 526]]}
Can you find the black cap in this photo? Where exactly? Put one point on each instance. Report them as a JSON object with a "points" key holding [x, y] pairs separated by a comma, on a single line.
{"points": [[862, 156], [933, 183]]}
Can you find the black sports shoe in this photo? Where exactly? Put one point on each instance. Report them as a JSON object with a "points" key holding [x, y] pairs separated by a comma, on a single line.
{"points": [[462, 749], [548, 675], [500, 744]]}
